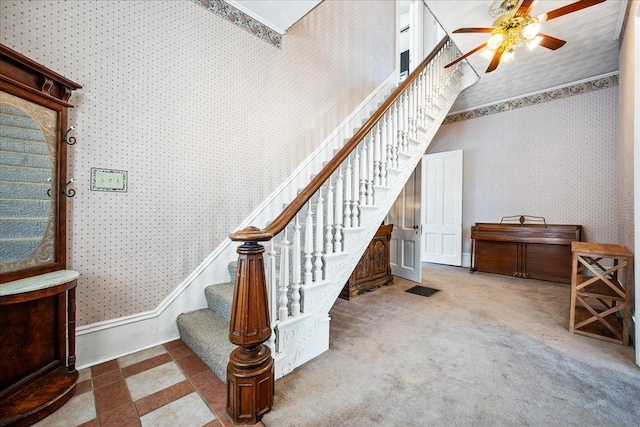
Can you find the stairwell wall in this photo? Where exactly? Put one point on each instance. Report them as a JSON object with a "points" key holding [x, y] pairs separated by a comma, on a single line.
{"points": [[206, 118]]}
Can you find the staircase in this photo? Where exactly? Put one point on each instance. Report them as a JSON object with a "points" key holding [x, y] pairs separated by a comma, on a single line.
{"points": [[314, 245], [25, 169]]}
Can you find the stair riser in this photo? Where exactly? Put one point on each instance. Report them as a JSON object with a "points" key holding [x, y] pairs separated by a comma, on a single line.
{"points": [[10, 251], [24, 159], [25, 208], [22, 146], [22, 228], [15, 190], [24, 174]]}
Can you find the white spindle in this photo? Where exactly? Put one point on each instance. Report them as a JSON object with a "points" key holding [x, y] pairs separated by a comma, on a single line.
{"points": [[394, 139], [317, 271], [347, 194], [337, 242], [308, 248], [296, 279], [273, 292], [412, 109], [283, 311], [328, 244], [363, 173], [385, 148], [370, 167], [355, 210]]}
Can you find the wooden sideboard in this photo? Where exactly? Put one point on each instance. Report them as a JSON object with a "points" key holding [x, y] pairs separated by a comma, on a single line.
{"points": [[374, 268], [534, 251], [37, 351]]}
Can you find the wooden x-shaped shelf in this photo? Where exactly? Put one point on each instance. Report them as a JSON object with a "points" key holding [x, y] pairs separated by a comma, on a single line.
{"points": [[601, 291]]}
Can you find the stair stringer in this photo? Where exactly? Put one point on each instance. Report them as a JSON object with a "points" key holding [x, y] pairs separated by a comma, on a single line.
{"points": [[300, 339]]}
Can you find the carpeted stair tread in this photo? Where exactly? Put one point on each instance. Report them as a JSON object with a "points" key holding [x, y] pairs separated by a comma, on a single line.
{"points": [[219, 299], [207, 335]]}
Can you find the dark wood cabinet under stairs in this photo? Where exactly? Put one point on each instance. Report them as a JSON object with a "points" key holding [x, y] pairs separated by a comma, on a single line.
{"points": [[374, 268]]}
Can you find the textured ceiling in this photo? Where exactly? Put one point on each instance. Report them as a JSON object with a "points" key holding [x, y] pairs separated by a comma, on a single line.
{"points": [[591, 49]]}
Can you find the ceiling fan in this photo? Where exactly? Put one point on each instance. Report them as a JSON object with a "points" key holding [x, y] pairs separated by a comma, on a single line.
{"points": [[515, 27]]}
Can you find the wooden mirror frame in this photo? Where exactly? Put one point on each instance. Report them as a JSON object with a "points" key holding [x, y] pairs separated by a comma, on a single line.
{"points": [[26, 79]]}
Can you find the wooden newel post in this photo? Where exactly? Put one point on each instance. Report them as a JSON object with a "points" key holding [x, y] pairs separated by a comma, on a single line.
{"points": [[250, 377]]}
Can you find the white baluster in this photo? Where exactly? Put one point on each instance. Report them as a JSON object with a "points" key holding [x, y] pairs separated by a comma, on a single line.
{"points": [[317, 272], [347, 194], [355, 210], [308, 247], [394, 139], [328, 245], [370, 167], [273, 292], [363, 172], [411, 107], [376, 155], [384, 144], [337, 242], [283, 311], [295, 260]]}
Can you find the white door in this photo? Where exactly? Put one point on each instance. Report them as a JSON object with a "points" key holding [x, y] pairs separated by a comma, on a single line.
{"points": [[405, 238], [442, 208]]}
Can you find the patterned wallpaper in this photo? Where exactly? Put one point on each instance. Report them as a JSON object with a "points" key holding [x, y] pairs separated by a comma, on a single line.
{"points": [[206, 118], [557, 160], [628, 115]]}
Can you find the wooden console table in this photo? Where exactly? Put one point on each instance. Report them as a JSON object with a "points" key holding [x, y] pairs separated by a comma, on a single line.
{"points": [[534, 251], [601, 291], [37, 346], [374, 268]]}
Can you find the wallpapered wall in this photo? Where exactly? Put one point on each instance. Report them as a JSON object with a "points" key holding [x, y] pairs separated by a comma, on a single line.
{"points": [[206, 118], [556, 160], [628, 57]]}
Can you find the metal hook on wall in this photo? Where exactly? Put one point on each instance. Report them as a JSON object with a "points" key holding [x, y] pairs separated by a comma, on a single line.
{"points": [[70, 140], [69, 192]]}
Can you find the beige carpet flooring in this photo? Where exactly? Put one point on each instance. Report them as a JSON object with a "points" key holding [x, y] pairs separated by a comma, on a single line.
{"points": [[487, 350]]}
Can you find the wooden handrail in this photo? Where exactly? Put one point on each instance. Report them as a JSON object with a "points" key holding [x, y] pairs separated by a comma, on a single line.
{"points": [[254, 234]]}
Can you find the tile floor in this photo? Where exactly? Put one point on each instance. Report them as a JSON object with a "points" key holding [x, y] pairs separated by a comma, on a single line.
{"points": [[167, 385]]}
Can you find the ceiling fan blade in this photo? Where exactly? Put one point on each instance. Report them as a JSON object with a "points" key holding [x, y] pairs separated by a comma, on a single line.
{"points": [[550, 42], [473, 30], [570, 8], [495, 61], [465, 55], [524, 8]]}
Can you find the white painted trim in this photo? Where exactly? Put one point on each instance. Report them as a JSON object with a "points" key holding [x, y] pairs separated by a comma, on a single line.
{"points": [[106, 340], [636, 178], [466, 259], [613, 73]]}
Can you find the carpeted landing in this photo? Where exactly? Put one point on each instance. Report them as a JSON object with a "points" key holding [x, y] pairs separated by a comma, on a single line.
{"points": [[486, 350]]}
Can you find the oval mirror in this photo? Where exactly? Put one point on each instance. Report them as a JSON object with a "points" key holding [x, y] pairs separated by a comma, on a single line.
{"points": [[27, 171]]}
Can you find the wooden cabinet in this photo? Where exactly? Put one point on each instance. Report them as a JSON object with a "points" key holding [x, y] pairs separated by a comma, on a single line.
{"points": [[373, 269], [534, 251]]}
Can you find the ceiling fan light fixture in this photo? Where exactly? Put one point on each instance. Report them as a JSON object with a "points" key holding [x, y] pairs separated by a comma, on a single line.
{"points": [[495, 40], [488, 54], [507, 56], [531, 44], [531, 30]]}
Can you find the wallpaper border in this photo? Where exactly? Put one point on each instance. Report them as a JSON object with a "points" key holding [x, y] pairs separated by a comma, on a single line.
{"points": [[242, 20], [539, 98]]}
